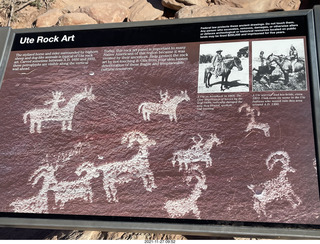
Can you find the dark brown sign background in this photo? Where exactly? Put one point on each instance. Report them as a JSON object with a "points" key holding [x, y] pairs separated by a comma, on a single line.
{"points": [[100, 124]]}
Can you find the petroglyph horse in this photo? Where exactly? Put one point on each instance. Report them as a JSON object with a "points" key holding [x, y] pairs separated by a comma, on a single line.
{"points": [[199, 152], [55, 113], [252, 112], [277, 188], [168, 107], [180, 207], [118, 173]]}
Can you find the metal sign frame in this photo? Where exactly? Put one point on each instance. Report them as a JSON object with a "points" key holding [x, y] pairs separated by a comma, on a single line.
{"points": [[181, 226]]}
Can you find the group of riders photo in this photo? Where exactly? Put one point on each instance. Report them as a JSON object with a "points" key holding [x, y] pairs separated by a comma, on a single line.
{"points": [[275, 65], [279, 65]]}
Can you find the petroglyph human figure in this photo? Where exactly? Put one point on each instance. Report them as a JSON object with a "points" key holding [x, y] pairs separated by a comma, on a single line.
{"points": [[38, 203], [65, 191], [164, 97], [54, 113], [277, 188], [199, 152], [252, 112], [118, 173], [180, 207], [165, 107]]}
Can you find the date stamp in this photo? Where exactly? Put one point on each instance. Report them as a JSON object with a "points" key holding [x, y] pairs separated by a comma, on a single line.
{"points": [[160, 241]]}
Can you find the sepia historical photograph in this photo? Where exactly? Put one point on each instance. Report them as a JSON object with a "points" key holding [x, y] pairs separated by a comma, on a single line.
{"points": [[279, 65], [224, 67]]}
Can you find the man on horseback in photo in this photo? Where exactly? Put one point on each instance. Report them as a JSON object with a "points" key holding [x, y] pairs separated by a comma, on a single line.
{"points": [[293, 55], [217, 63]]}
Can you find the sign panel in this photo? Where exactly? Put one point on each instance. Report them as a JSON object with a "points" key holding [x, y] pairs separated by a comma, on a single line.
{"points": [[181, 122]]}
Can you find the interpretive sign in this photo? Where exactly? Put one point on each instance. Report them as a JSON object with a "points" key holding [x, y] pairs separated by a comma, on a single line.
{"points": [[198, 122]]}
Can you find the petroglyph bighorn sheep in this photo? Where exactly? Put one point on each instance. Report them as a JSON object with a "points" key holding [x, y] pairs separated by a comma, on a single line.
{"points": [[180, 207], [118, 173], [199, 152], [55, 113], [65, 191], [253, 124], [167, 106], [277, 188]]}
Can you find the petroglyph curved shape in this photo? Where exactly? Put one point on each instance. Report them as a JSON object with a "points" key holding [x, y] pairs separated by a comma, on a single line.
{"points": [[180, 207], [167, 106], [199, 152], [252, 112], [55, 113], [276, 188]]}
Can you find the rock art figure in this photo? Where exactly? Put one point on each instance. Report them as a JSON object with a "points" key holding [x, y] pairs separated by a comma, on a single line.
{"points": [[166, 106], [277, 188], [181, 207], [63, 157], [199, 152], [65, 191], [38, 203], [118, 173], [55, 113], [253, 124], [314, 162]]}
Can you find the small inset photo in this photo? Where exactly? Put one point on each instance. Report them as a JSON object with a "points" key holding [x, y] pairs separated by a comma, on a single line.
{"points": [[224, 67], [279, 65]]}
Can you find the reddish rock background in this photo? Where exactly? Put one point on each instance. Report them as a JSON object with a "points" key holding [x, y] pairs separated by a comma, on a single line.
{"points": [[238, 162], [29, 16]]}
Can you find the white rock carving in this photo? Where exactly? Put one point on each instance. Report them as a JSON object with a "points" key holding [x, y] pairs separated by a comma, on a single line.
{"points": [[55, 113], [38, 203], [63, 157], [199, 152], [49, 165], [314, 162], [253, 124], [181, 207], [277, 188], [118, 173], [65, 191], [166, 106]]}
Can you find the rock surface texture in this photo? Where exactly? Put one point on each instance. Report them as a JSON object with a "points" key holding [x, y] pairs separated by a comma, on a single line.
{"points": [[67, 12]]}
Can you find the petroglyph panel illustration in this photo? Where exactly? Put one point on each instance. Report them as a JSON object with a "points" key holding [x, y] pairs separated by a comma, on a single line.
{"points": [[166, 106], [64, 191], [133, 143], [253, 125], [276, 188], [199, 152], [118, 173], [55, 113], [180, 207]]}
